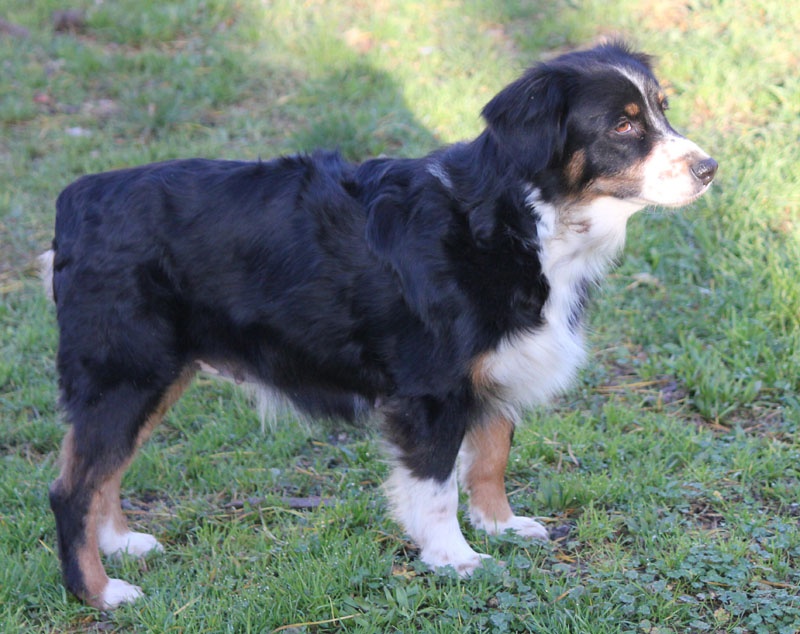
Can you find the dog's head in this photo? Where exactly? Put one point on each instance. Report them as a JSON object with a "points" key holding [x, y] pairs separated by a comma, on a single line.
{"points": [[592, 123]]}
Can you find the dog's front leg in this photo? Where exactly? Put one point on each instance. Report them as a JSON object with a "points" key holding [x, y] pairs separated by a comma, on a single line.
{"points": [[426, 434], [428, 510], [483, 461]]}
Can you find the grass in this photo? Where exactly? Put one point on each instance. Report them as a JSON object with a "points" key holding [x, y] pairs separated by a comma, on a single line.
{"points": [[669, 474]]}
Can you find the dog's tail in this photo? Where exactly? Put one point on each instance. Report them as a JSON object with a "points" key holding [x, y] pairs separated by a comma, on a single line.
{"points": [[46, 272]]}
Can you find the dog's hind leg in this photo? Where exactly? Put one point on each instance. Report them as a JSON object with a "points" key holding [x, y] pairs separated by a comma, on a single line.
{"points": [[113, 535], [76, 498], [97, 449], [484, 456]]}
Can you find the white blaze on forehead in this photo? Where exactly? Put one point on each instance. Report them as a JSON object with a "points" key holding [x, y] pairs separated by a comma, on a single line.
{"points": [[645, 84]]}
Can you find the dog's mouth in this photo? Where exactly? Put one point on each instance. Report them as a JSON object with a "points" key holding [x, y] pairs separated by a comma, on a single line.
{"points": [[686, 201]]}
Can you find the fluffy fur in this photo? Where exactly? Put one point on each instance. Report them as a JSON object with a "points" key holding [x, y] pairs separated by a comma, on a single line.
{"points": [[446, 293]]}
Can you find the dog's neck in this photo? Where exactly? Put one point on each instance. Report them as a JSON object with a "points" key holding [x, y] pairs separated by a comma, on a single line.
{"points": [[582, 239]]}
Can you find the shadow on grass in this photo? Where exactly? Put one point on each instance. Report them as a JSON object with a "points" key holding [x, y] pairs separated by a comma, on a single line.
{"points": [[368, 117]]}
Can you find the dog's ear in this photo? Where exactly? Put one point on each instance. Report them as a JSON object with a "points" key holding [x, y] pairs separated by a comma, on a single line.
{"points": [[527, 119]]}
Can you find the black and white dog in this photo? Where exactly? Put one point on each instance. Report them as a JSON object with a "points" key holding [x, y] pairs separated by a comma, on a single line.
{"points": [[445, 292]]}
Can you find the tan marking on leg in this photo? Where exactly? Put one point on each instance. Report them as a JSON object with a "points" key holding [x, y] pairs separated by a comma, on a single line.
{"points": [[94, 575], [87, 554], [487, 447], [108, 499], [168, 400], [65, 460], [108, 505], [105, 501]]}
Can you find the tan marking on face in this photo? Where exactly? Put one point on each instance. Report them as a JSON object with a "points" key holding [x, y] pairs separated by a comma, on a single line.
{"points": [[622, 185], [489, 444], [632, 110], [664, 178], [575, 168]]}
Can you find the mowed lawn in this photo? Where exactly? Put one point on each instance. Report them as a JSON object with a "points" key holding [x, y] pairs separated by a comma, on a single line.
{"points": [[669, 474]]}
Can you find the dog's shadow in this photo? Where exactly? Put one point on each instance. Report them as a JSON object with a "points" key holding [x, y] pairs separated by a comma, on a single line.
{"points": [[361, 112]]}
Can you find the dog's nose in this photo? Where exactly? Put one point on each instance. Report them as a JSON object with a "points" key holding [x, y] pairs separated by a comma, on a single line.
{"points": [[704, 170]]}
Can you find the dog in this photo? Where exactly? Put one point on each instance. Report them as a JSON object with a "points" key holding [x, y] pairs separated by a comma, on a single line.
{"points": [[444, 293]]}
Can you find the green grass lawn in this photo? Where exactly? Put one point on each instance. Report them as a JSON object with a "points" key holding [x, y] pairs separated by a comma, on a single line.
{"points": [[669, 474]]}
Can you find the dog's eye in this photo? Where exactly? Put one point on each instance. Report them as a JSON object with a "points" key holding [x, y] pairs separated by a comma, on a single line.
{"points": [[624, 127]]}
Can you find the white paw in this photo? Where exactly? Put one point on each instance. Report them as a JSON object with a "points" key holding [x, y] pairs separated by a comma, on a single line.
{"points": [[522, 526], [132, 543], [118, 592], [139, 544], [463, 560], [428, 510], [526, 527]]}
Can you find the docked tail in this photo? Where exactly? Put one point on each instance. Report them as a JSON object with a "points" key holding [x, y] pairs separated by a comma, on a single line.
{"points": [[46, 272]]}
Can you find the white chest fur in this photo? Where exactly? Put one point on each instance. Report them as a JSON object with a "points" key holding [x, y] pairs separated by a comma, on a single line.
{"points": [[577, 247]]}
